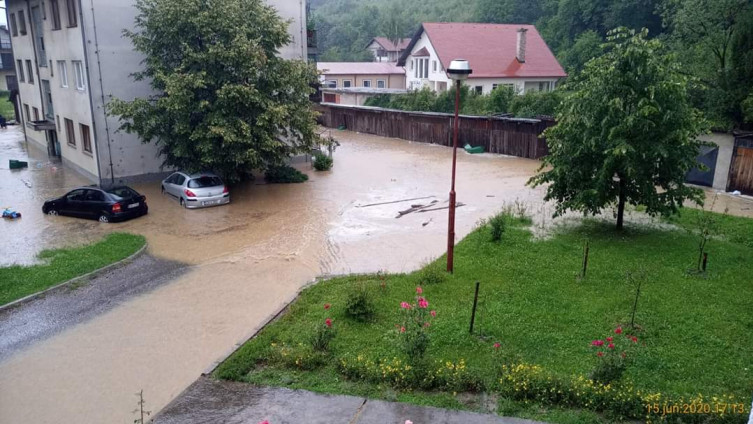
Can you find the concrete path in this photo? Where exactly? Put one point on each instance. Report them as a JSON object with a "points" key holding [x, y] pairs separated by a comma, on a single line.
{"points": [[212, 401], [41, 318]]}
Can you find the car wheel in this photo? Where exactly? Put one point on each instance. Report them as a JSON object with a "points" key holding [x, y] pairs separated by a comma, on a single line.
{"points": [[52, 212], [104, 218]]}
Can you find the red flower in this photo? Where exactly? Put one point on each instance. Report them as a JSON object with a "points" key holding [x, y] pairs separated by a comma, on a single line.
{"points": [[405, 305], [497, 345], [433, 313], [600, 354], [618, 330], [402, 329], [597, 343], [634, 339], [609, 339], [610, 345], [419, 290], [327, 306], [328, 322], [423, 303]]}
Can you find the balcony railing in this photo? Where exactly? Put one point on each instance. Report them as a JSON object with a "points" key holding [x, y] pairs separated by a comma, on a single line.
{"points": [[5, 45]]}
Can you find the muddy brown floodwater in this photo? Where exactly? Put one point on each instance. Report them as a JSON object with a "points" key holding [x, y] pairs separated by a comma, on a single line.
{"points": [[246, 260]]}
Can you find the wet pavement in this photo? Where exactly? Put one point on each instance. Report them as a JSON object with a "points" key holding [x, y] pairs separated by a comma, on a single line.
{"points": [[210, 401], [55, 311], [247, 260]]}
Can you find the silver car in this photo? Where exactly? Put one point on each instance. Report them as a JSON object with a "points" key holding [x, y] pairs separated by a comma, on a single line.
{"points": [[198, 190]]}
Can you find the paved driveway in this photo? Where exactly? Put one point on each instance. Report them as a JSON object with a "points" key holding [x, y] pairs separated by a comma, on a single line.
{"points": [[248, 258]]}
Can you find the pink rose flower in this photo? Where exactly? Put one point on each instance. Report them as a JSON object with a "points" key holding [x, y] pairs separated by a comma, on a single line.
{"points": [[405, 305], [609, 339], [610, 345], [433, 313], [419, 290], [423, 303], [402, 329], [328, 322], [597, 343], [618, 330], [497, 345]]}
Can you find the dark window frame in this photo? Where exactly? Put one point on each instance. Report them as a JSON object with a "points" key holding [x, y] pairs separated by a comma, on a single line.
{"points": [[55, 13], [21, 22], [86, 141], [30, 72], [20, 70], [70, 6], [70, 132], [13, 27]]}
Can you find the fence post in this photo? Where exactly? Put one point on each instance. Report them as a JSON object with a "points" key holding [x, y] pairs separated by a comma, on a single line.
{"points": [[475, 302]]}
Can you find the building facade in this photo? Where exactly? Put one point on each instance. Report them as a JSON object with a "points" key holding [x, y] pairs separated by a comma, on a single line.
{"points": [[500, 55], [71, 58], [385, 50], [7, 66]]}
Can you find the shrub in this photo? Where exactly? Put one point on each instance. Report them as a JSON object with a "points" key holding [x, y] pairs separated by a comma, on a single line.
{"points": [[322, 162], [302, 356], [612, 355], [431, 275], [323, 335], [360, 304], [414, 334], [497, 227], [284, 175]]}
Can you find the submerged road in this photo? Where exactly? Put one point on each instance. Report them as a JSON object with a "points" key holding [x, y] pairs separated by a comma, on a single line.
{"points": [[217, 274]]}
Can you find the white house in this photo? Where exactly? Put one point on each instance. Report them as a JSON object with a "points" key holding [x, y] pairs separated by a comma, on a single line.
{"points": [[385, 50], [511, 55]]}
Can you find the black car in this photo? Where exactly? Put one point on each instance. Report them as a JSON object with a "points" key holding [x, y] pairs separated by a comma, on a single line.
{"points": [[104, 204]]}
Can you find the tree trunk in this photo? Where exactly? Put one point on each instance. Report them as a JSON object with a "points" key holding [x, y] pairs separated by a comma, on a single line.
{"points": [[621, 205]]}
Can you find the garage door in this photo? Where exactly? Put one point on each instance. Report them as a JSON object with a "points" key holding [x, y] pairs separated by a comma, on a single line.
{"points": [[741, 171]]}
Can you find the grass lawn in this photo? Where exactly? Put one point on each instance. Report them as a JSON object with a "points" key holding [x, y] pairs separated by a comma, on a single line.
{"points": [[61, 265], [695, 331], [6, 107]]}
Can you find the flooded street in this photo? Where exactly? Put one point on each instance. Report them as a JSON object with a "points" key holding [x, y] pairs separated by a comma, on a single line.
{"points": [[245, 261]]}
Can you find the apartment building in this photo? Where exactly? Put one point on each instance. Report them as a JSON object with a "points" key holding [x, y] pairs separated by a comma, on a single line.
{"points": [[71, 58]]}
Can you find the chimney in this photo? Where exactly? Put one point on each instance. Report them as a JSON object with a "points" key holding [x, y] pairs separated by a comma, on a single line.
{"points": [[521, 50]]}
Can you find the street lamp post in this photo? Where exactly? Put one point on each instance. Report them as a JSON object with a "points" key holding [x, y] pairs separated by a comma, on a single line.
{"points": [[458, 71]]}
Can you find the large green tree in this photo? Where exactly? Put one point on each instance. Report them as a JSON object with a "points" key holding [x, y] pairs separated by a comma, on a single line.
{"points": [[626, 133], [224, 100]]}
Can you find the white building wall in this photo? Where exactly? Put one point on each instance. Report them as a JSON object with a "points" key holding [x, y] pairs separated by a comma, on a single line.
{"points": [[437, 79], [65, 44], [295, 11]]}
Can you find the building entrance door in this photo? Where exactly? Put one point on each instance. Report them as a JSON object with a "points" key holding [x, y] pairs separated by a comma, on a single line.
{"points": [[54, 143]]}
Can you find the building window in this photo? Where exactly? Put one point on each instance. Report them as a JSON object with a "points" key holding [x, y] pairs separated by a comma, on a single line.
{"points": [[27, 115], [36, 113], [544, 86], [57, 123], [20, 70], [347, 83], [381, 84], [63, 73], [13, 28], [479, 89], [78, 68], [30, 72], [55, 12], [21, 22], [36, 22], [72, 17], [411, 64], [330, 83], [70, 133], [423, 68], [434, 66], [367, 83], [85, 138]]}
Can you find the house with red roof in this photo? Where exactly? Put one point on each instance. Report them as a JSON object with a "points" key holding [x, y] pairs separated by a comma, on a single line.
{"points": [[386, 50], [499, 54]]}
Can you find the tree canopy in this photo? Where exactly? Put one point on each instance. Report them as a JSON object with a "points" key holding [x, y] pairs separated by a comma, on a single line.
{"points": [[626, 133], [224, 100]]}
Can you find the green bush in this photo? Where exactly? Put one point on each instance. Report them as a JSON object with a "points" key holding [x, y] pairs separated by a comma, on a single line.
{"points": [[323, 335], [285, 174], [497, 227], [360, 304], [322, 162], [431, 275]]}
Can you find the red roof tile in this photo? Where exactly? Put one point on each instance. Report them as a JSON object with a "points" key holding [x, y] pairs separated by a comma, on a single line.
{"points": [[359, 68], [491, 49]]}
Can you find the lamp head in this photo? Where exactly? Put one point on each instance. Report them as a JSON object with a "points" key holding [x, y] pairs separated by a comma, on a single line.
{"points": [[459, 70]]}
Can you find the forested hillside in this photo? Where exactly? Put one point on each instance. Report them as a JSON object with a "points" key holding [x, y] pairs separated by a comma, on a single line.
{"points": [[712, 38]]}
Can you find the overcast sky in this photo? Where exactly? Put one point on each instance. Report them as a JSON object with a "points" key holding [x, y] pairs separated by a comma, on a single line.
{"points": [[2, 15]]}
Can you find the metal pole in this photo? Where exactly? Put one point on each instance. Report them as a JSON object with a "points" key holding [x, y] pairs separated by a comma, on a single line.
{"points": [[451, 224], [475, 302]]}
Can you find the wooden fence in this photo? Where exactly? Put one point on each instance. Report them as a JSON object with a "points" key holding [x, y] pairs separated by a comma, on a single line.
{"points": [[507, 136]]}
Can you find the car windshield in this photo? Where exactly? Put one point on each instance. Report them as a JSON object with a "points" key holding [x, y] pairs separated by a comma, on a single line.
{"points": [[122, 192], [205, 181]]}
